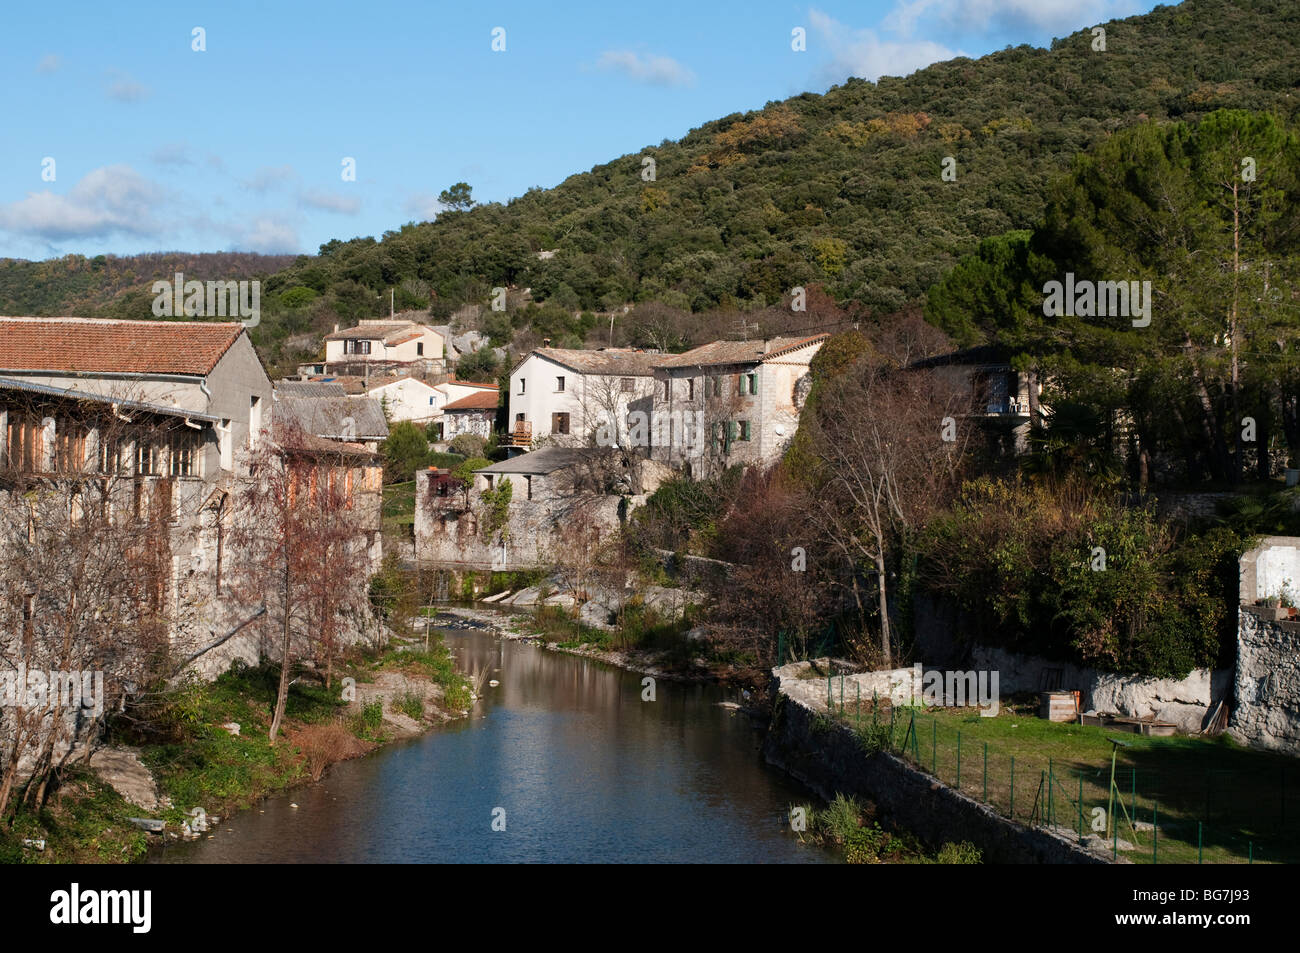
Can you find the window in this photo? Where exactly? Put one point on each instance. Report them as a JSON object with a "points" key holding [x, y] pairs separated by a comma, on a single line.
{"points": [[523, 385], [69, 447], [690, 388], [559, 383], [147, 460], [668, 389], [560, 423], [747, 383], [744, 430], [356, 347], [225, 445], [110, 455], [430, 400], [26, 444], [625, 384], [419, 349], [713, 387], [254, 420], [528, 485], [184, 453]]}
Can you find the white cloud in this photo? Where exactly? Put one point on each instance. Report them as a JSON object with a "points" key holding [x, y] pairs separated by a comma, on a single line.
{"points": [[655, 70], [423, 205], [123, 89], [109, 200], [985, 17], [49, 63], [268, 235], [270, 177], [330, 201], [173, 153], [862, 52]]}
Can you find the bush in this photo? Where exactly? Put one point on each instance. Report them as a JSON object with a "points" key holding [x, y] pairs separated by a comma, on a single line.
{"points": [[467, 445]]}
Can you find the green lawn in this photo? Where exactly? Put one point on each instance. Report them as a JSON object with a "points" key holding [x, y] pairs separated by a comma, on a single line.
{"points": [[399, 507], [1245, 801]]}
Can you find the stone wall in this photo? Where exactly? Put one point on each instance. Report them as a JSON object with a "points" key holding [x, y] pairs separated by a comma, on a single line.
{"points": [[829, 759], [1186, 702], [1266, 712]]}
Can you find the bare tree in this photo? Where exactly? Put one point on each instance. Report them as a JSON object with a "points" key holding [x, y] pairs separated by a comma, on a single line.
{"points": [[891, 444], [84, 561], [302, 547]]}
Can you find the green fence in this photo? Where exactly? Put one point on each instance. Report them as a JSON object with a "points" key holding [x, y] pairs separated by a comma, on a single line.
{"points": [[1185, 811]]}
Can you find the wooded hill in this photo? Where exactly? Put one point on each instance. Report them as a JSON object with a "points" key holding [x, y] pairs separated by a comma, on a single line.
{"points": [[842, 189]]}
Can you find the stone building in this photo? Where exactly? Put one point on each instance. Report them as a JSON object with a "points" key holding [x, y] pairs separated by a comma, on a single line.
{"points": [[729, 402]]}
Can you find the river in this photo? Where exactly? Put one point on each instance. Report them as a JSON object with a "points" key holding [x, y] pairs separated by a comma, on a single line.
{"points": [[565, 755]]}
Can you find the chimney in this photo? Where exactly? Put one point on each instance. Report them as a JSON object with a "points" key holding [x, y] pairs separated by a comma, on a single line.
{"points": [[336, 329], [546, 342]]}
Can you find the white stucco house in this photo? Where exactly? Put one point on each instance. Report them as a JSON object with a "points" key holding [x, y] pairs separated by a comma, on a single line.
{"points": [[566, 394], [385, 345], [409, 398]]}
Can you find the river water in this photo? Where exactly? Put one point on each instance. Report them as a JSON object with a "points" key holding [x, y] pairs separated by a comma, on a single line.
{"points": [[565, 755]]}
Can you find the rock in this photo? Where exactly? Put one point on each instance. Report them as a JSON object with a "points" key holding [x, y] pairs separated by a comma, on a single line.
{"points": [[123, 770], [232, 727]]}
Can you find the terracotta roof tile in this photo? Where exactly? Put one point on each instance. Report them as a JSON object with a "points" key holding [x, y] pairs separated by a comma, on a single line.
{"points": [[487, 400], [738, 352], [95, 346]]}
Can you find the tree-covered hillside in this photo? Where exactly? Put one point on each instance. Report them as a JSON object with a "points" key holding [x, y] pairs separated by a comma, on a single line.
{"points": [[842, 189]]}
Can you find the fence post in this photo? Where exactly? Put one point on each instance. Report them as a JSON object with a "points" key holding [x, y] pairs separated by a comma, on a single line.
{"points": [[1080, 806], [1011, 802], [1050, 778], [1155, 834], [958, 759], [934, 745]]}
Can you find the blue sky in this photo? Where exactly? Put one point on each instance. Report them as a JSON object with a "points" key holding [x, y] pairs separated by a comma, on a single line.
{"points": [[156, 146]]}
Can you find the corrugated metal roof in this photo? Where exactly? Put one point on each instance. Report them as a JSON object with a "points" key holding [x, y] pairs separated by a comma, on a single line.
{"points": [[72, 394]]}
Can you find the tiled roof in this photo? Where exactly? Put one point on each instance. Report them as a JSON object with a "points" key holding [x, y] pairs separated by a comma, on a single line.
{"points": [[327, 416], [737, 352], [97, 346], [310, 389], [390, 332], [543, 461], [485, 400], [609, 362], [470, 384]]}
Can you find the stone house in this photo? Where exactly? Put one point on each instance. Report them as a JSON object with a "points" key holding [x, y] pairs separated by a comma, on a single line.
{"points": [[1004, 401], [166, 413], [555, 507], [729, 402], [475, 413]]}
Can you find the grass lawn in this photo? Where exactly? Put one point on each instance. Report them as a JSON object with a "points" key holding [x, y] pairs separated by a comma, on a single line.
{"points": [[1245, 801], [399, 508]]}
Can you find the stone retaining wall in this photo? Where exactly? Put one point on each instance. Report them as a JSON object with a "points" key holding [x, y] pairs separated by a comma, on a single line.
{"points": [[828, 758]]}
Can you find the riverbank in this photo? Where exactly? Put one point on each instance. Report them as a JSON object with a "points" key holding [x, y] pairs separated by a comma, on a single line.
{"points": [[202, 752]]}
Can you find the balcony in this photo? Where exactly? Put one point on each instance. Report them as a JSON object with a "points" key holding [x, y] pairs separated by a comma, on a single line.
{"points": [[521, 436]]}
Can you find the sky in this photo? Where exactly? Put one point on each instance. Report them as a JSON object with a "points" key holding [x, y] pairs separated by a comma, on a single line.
{"points": [[118, 136]]}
